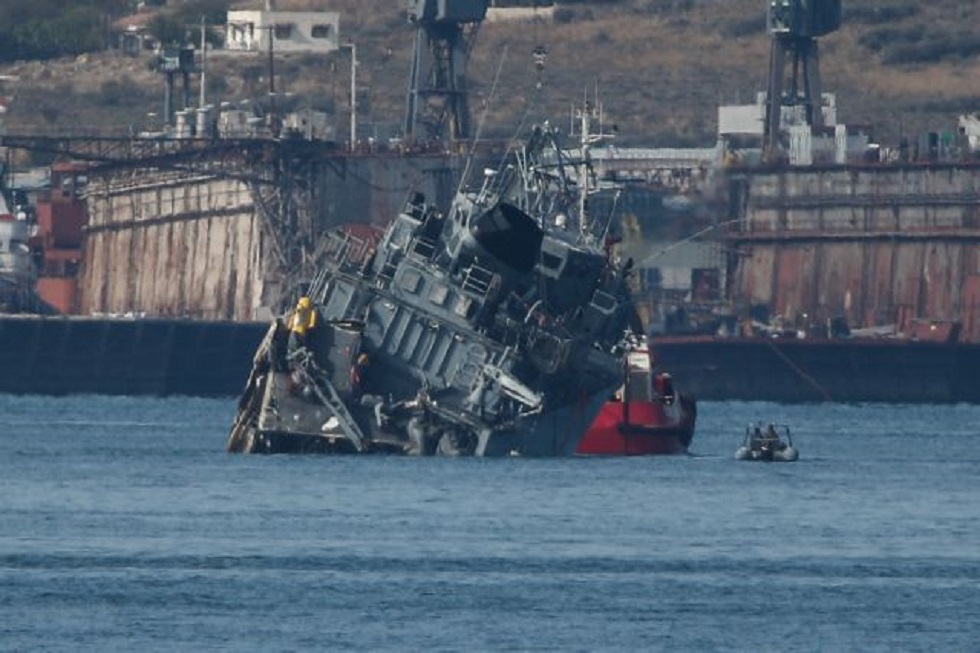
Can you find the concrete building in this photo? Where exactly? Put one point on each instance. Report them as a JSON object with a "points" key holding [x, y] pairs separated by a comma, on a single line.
{"points": [[292, 31], [969, 126]]}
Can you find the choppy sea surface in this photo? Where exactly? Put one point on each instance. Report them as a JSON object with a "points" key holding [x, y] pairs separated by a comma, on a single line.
{"points": [[124, 526]]}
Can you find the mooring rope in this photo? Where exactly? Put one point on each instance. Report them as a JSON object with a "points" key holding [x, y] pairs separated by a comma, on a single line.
{"points": [[803, 375]]}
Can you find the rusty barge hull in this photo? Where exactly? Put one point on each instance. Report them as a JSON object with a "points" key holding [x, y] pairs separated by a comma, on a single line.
{"points": [[832, 370], [877, 244]]}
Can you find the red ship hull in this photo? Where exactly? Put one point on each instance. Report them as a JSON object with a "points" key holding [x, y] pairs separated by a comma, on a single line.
{"points": [[646, 417], [643, 428]]}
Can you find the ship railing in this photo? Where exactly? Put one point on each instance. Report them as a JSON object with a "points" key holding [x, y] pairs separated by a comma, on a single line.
{"points": [[387, 272], [478, 280], [360, 254], [346, 252], [318, 286], [424, 248], [334, 247]]}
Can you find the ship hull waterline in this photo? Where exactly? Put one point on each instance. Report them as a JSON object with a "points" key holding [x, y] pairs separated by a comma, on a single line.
{"points": [[558, 432]]}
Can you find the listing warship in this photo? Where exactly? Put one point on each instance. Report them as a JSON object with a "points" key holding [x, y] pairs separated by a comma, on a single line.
{"points": [[495, 329]]}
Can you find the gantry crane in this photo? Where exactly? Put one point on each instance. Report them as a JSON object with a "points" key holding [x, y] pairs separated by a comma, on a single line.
{"points": [[437, 91], [794, 26]]}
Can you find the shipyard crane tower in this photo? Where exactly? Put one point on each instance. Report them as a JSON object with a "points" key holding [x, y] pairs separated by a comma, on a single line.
{"points": [[437, 84], [794, 26]]}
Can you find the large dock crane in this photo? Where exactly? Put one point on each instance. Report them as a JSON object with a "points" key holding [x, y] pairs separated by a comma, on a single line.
{"points": [[794, 26], [437, 94]]}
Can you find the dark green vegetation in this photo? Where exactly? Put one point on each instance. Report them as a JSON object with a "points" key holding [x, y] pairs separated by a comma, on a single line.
{"points": [[177, 26], [47, 29], [43, 29]]}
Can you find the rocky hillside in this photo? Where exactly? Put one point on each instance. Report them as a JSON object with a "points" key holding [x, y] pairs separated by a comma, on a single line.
{"points": [[660, 67]]}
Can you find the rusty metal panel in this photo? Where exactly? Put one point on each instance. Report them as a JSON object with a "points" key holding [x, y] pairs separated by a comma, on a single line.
{"points": [[838, 275], [755, 274], [790, 267], [877, 301], [907, 276], [971, 308], [940, 278]]}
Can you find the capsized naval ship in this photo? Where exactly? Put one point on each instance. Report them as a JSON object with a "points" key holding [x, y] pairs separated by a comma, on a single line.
{"points": [[495, 329]]}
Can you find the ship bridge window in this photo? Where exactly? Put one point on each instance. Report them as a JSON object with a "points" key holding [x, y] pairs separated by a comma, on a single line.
{"points": [[551, 261], [424, 248], [510, 236], [321, 31], [603, 301], [283, 31]]}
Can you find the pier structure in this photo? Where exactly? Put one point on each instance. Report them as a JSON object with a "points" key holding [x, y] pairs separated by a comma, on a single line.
{"points": [[681, 170]]}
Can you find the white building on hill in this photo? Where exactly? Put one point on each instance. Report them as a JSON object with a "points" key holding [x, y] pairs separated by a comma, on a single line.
{"points": [[291, 31]]}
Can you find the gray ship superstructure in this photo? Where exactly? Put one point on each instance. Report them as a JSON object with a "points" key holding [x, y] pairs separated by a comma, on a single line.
{"points": [[486, 331]]}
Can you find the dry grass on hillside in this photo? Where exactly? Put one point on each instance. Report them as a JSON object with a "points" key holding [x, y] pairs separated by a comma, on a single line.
{"points": [[661, 68]]}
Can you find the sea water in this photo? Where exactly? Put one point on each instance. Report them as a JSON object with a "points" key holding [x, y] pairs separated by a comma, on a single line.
{"points": [[124, 526]]}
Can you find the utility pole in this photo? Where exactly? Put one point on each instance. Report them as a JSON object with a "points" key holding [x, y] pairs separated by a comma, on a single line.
{"points": [[272, 74], [353, 94], [353, 88], [273, 118], [204, 62]]}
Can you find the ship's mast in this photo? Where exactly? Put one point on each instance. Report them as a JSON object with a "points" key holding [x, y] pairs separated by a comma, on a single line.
{"points": [[587, 138]]}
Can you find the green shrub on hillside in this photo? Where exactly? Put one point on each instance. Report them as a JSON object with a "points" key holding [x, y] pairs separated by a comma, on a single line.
{"points": [[934, 48], [44, 29], [874, 14], [48, 29], [884, 38], [120, 92], [754, 25]]}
